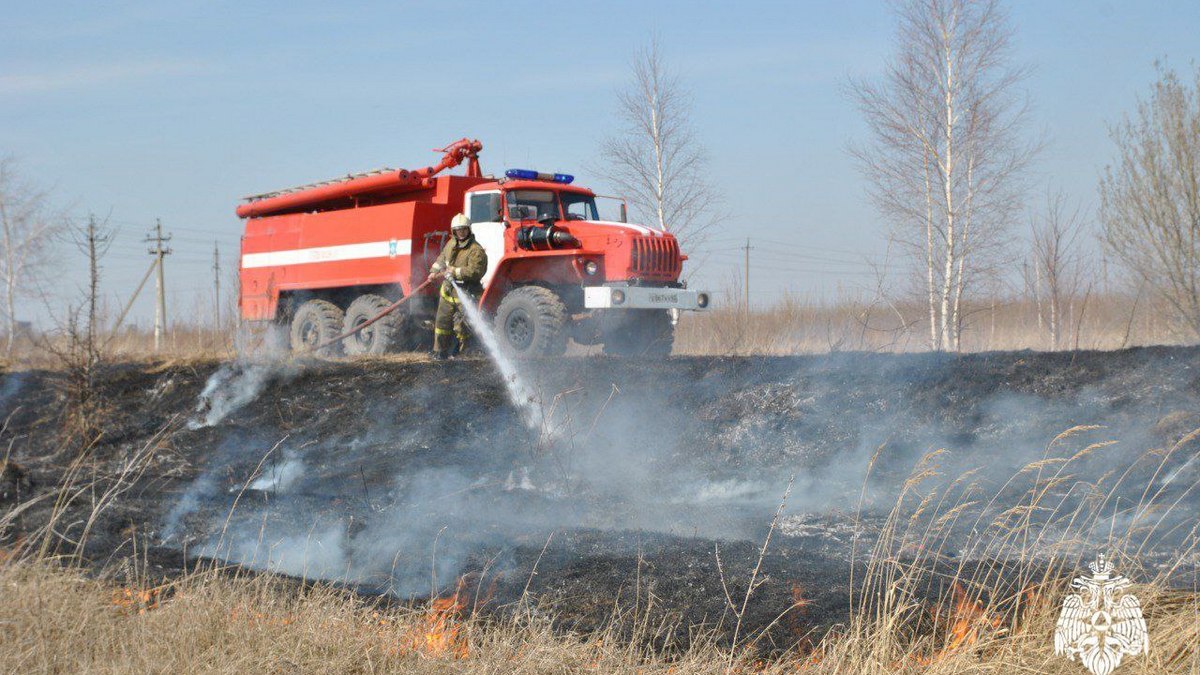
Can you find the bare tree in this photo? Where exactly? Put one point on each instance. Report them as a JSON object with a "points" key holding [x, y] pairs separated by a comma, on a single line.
{"points": [[1150, 198], [77, 345], [656, 160], [27, 236], [1055, 271], [946, 160]]}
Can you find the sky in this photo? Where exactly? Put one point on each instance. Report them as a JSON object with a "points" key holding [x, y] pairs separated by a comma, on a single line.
{"points": [[173, 110]]}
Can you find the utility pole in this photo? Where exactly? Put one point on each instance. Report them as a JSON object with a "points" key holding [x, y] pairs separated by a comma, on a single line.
{"points": [[93, 283], [216, 266], [160, 309], [746, 284]]}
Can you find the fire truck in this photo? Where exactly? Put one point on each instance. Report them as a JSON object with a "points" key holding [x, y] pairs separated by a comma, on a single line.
{"points": [[327, 258]]}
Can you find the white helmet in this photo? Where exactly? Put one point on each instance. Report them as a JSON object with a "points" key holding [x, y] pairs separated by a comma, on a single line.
{"points": [[460, 221]]}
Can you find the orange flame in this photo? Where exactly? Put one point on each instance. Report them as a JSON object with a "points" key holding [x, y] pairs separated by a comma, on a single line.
{"points": [[807, 654], [440, 634], [132, 600], [968, 620], [799, 602]]}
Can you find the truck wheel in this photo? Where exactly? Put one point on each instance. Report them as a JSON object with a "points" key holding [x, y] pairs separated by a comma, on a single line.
{"points": [[640, 332], [316, 322], [380, 337], [531, 321]]}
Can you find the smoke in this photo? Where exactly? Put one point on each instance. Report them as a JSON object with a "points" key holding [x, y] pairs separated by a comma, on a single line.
{"points": [[314, 554], [235, 384], [280, 477], [227, 390], [390, 482]]}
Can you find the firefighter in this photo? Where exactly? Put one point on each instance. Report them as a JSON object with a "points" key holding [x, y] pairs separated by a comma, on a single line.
{"points": [[462, 262]]}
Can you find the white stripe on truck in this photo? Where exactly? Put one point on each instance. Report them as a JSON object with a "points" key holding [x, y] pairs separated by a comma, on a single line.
{"points": [[320, 254]]}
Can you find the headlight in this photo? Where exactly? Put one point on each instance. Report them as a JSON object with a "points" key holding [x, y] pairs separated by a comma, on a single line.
{"points": [[618, 297], [702, 300], [590, 267]]}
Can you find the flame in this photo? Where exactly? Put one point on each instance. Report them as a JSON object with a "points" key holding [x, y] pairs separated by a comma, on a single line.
{"points": [[130, 599], [968, 621], [440, 632], [1033, 602], [807, 654], [799, 602]]}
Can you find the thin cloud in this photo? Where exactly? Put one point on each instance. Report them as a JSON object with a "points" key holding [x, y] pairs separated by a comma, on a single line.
{"points": [[91, 75]]}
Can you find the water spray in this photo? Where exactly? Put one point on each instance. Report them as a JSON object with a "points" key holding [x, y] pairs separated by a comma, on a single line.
{"points": [[527, 399]]}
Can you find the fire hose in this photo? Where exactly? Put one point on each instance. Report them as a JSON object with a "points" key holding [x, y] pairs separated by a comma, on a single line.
{"points": [[382, 313]]}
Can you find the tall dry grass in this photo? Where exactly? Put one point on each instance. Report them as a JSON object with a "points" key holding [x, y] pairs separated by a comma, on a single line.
{"points": [[795, 325]]}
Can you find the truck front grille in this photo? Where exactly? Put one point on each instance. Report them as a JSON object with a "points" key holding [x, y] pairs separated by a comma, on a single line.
{"points": [[656, 257]]}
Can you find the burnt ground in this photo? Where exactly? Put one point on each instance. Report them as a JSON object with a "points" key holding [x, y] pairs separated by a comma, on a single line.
{"points": [[613, 485]]}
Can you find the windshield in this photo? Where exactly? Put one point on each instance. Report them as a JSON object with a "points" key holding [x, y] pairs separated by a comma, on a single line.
{"points": [[542, 204], [532, 205], [578, 207]]}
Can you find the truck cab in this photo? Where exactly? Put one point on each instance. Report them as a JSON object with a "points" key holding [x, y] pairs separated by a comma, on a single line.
{"points": [[615, 283]]}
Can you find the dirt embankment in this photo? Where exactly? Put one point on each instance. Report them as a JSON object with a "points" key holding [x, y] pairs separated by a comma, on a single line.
{"points": [[611, 480]]}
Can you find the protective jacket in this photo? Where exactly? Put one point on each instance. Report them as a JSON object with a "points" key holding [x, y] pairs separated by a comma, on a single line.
{"points": [[464, 262], [467, 262]]}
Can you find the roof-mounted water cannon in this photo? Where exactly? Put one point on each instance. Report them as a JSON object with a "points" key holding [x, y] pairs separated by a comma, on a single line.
{"points": [[528, 174]]}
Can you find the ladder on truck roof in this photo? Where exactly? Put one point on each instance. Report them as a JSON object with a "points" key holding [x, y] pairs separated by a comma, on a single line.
{"points": [[322, 183], [305, 197]]}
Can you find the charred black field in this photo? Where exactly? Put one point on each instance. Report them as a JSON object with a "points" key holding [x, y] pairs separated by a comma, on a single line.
{"points": [[601, 486]]}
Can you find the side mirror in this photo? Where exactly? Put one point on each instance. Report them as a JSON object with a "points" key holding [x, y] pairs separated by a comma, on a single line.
{"points": [[624, 216]]}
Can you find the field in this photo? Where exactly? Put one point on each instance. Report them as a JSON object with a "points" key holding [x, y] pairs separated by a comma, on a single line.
{"points": [[850, 512]]}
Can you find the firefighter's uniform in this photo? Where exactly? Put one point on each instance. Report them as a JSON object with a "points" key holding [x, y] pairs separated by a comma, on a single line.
{"points": [[465, 261]]}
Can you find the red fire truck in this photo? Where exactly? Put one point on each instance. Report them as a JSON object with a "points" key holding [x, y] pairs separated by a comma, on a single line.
{"points": [[323, 259]]}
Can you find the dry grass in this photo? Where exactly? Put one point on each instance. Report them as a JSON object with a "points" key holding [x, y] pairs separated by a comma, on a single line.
{"points": [[796, 326], [59, 620], [791, 326]]}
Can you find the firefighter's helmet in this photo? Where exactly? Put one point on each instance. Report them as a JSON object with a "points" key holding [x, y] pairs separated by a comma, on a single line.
{"points": [[460, 221]]}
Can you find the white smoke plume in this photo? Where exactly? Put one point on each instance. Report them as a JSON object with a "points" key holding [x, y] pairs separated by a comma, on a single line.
{"points": [[424, 479]]}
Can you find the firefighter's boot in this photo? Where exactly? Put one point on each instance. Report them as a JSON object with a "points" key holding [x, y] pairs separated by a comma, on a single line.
{"points": [[441, 350]]}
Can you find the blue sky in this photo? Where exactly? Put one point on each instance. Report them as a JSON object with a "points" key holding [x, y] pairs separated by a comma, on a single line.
{"points": [[174, 110]]}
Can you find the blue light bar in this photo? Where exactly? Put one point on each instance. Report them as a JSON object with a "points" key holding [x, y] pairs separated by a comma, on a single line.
{"points": [[527, 174]]}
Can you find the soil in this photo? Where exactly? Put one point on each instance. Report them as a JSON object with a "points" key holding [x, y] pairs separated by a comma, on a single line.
{"points": [[613, 487]]}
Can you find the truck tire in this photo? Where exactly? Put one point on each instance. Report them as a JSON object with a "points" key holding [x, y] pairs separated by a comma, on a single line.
{"points": [[640, 332], [531, 321], [381, 337], [316, 322]]}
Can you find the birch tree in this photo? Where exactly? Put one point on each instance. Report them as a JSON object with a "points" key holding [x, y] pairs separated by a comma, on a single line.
{"points": [[655, 160], [946, 157], [27, 235], [1055, 270], [1150, 197]]}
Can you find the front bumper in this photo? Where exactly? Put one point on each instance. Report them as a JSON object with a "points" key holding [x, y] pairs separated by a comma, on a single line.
{"points": [[645, 297]]}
